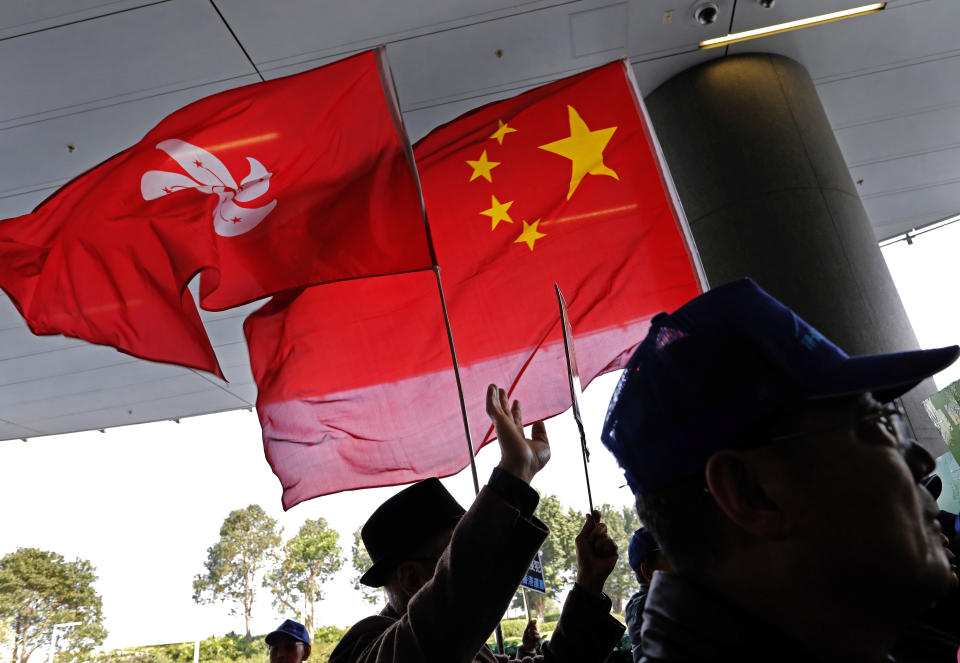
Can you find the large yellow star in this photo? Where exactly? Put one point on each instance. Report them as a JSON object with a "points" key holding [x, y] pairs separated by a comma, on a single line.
{"points": [[584, 148], [482, 167], [530, 234], [498, 212], [502, 131]]}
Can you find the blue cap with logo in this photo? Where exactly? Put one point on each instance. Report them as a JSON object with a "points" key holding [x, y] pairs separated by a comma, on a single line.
{"points": [[708, 373], [295, 630], [641, 545]]}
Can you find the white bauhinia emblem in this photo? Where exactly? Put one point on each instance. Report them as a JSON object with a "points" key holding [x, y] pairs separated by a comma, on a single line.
{"points": [[207, 174]]}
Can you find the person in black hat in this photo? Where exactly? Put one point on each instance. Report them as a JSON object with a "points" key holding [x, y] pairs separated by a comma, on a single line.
{"points": [[776, 473], [449, 575], [289, 643], [646, 558]]}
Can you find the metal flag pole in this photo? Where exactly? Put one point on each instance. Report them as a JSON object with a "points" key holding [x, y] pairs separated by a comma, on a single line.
{"points": [[498, 632], [573, 377], [456, 373]]}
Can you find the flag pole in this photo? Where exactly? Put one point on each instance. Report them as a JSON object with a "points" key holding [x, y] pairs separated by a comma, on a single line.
{"points": [[456, 374], [498, 632], [573, 377]]}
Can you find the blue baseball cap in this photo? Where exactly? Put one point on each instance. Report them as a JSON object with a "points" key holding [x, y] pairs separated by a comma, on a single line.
{"points": [[707, 374], [295, 630], [641, 545]]}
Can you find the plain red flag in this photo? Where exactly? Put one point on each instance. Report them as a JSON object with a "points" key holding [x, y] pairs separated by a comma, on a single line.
{"points": [[296, 181], [558, 185]]}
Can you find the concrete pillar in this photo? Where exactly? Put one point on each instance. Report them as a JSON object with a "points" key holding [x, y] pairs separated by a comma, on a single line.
{"points": [[768, 195]]}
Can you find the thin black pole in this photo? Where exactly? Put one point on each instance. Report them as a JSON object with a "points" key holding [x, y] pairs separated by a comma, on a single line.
{"points": [[573, 378], [456, 373], [498, 632]]}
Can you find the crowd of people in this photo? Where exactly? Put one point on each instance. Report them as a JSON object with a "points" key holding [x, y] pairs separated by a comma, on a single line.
{"points": [[788, 515]]}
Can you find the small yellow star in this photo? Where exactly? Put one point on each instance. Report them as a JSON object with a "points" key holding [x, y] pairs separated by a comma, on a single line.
{"points": [[530, 234], [584, 148], [502, 131], [482, 167], [498, 212]]}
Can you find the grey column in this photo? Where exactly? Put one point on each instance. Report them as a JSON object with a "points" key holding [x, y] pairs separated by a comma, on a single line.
{"points": [[768, 195]]}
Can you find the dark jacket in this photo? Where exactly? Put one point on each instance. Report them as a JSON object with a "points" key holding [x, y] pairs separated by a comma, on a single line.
{"points": [[634, 616], [451, 617], [684, 622]]}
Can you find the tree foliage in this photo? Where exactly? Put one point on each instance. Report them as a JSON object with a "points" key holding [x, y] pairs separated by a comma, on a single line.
{"points": [[247, 539], [621, 524], [308, 560], [360, 559], [39, 589], [559, 552]]}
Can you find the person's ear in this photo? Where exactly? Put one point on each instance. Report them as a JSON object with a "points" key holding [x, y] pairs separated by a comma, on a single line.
{"points": [[739, 482], [306, 651], [646, 571]]}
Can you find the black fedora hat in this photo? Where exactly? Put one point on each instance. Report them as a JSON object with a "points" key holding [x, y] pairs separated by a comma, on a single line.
{"points": [[403, 523]]}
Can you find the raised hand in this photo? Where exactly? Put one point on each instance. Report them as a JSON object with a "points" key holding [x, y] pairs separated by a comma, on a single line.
{"points": [[521, 456], [596, 554], [531, 637]]}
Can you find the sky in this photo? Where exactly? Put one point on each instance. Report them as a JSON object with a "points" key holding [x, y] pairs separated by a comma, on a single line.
{"points": [[143, 503]]}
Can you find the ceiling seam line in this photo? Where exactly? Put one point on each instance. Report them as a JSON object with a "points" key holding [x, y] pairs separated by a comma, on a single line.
{"points": [[84, 20], [237, 39]]}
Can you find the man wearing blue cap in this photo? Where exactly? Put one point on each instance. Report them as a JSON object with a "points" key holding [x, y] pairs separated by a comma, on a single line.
{"points": [[645, 557], [449, 575], [290, 643], [778, 477]]}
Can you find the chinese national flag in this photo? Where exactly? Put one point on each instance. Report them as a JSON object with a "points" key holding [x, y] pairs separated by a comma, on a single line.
{"points": [[295, 181], [558, 185]]}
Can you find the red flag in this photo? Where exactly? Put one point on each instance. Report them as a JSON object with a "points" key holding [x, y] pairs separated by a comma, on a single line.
{"points": [[558, 185], [277, 185]]}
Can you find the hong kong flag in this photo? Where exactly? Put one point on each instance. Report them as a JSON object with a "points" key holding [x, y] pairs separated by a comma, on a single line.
{"points": [[560, 185], [296, 181]]}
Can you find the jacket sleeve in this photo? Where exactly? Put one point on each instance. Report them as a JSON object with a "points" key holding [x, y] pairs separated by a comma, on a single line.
{"points": [[452, 616], [586, 630]]}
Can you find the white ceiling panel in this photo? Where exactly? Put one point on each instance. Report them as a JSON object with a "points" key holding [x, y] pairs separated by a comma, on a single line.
{"points": [[15, 204], [449, 65], [894, 92], [55, 388], [171, 45], [20, 17], [908, 173], [175, 407], [275, 33], [15, 341], [43, 361], [897, 212], [917, 132], [10, 431]]}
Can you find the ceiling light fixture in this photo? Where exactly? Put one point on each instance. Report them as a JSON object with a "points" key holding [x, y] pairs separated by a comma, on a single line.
{"points": [[791, 25]]}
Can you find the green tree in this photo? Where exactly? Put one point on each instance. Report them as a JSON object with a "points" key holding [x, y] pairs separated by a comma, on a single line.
{"points": [[39, 589], [308, 561], [360, 559], [559, 552], [621, 524], [247, 538]]}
